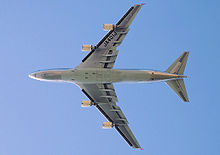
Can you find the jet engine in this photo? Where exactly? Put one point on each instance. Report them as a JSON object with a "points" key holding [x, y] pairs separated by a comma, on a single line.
{"points": [[87, 47], [107, 125], [87, 103], [108, 27]]}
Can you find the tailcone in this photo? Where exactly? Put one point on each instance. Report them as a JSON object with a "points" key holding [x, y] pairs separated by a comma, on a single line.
{"points": [[165, 76]]}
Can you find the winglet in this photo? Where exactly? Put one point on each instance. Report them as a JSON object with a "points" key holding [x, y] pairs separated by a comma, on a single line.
{"points": [[143, 3]]}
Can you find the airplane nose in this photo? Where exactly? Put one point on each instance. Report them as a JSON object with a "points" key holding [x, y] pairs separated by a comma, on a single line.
{"points": [[35, 76], [32, 75]]}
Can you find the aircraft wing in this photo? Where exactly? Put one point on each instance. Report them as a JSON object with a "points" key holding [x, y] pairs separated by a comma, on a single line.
{"points": [[104, 54], [104, 97]]}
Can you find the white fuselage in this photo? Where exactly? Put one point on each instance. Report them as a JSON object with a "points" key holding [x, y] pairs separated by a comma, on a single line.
{"points": [[99, 75], [105, 76]]}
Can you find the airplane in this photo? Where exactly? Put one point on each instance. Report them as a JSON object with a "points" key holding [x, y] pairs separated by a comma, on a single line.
{"points": [[95, 76]]}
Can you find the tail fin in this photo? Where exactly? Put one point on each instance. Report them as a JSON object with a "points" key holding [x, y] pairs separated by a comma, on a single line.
{"points": [[178, 85]]}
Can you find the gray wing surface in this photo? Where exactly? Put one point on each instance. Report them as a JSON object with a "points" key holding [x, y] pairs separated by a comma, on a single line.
{"points": [[104, 54], [104, 97]]}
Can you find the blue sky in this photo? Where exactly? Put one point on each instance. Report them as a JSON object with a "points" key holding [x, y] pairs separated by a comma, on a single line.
{"points": [[46, 118]]}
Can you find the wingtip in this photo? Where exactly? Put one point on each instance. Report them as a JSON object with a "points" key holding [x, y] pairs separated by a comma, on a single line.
{"points": [[186, 52], [141, 148], [141, 4]]}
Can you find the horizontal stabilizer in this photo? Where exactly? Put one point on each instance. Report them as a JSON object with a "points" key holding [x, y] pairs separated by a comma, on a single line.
{"points": [[178, 87]]}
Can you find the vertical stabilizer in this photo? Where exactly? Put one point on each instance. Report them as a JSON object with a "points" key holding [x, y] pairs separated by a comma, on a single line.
{"points": [[178, 85]]}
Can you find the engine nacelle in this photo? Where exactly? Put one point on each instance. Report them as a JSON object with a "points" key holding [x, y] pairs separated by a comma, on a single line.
{"points": [[87, 103], [107, 125], [108, 27], [87, 47]]}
